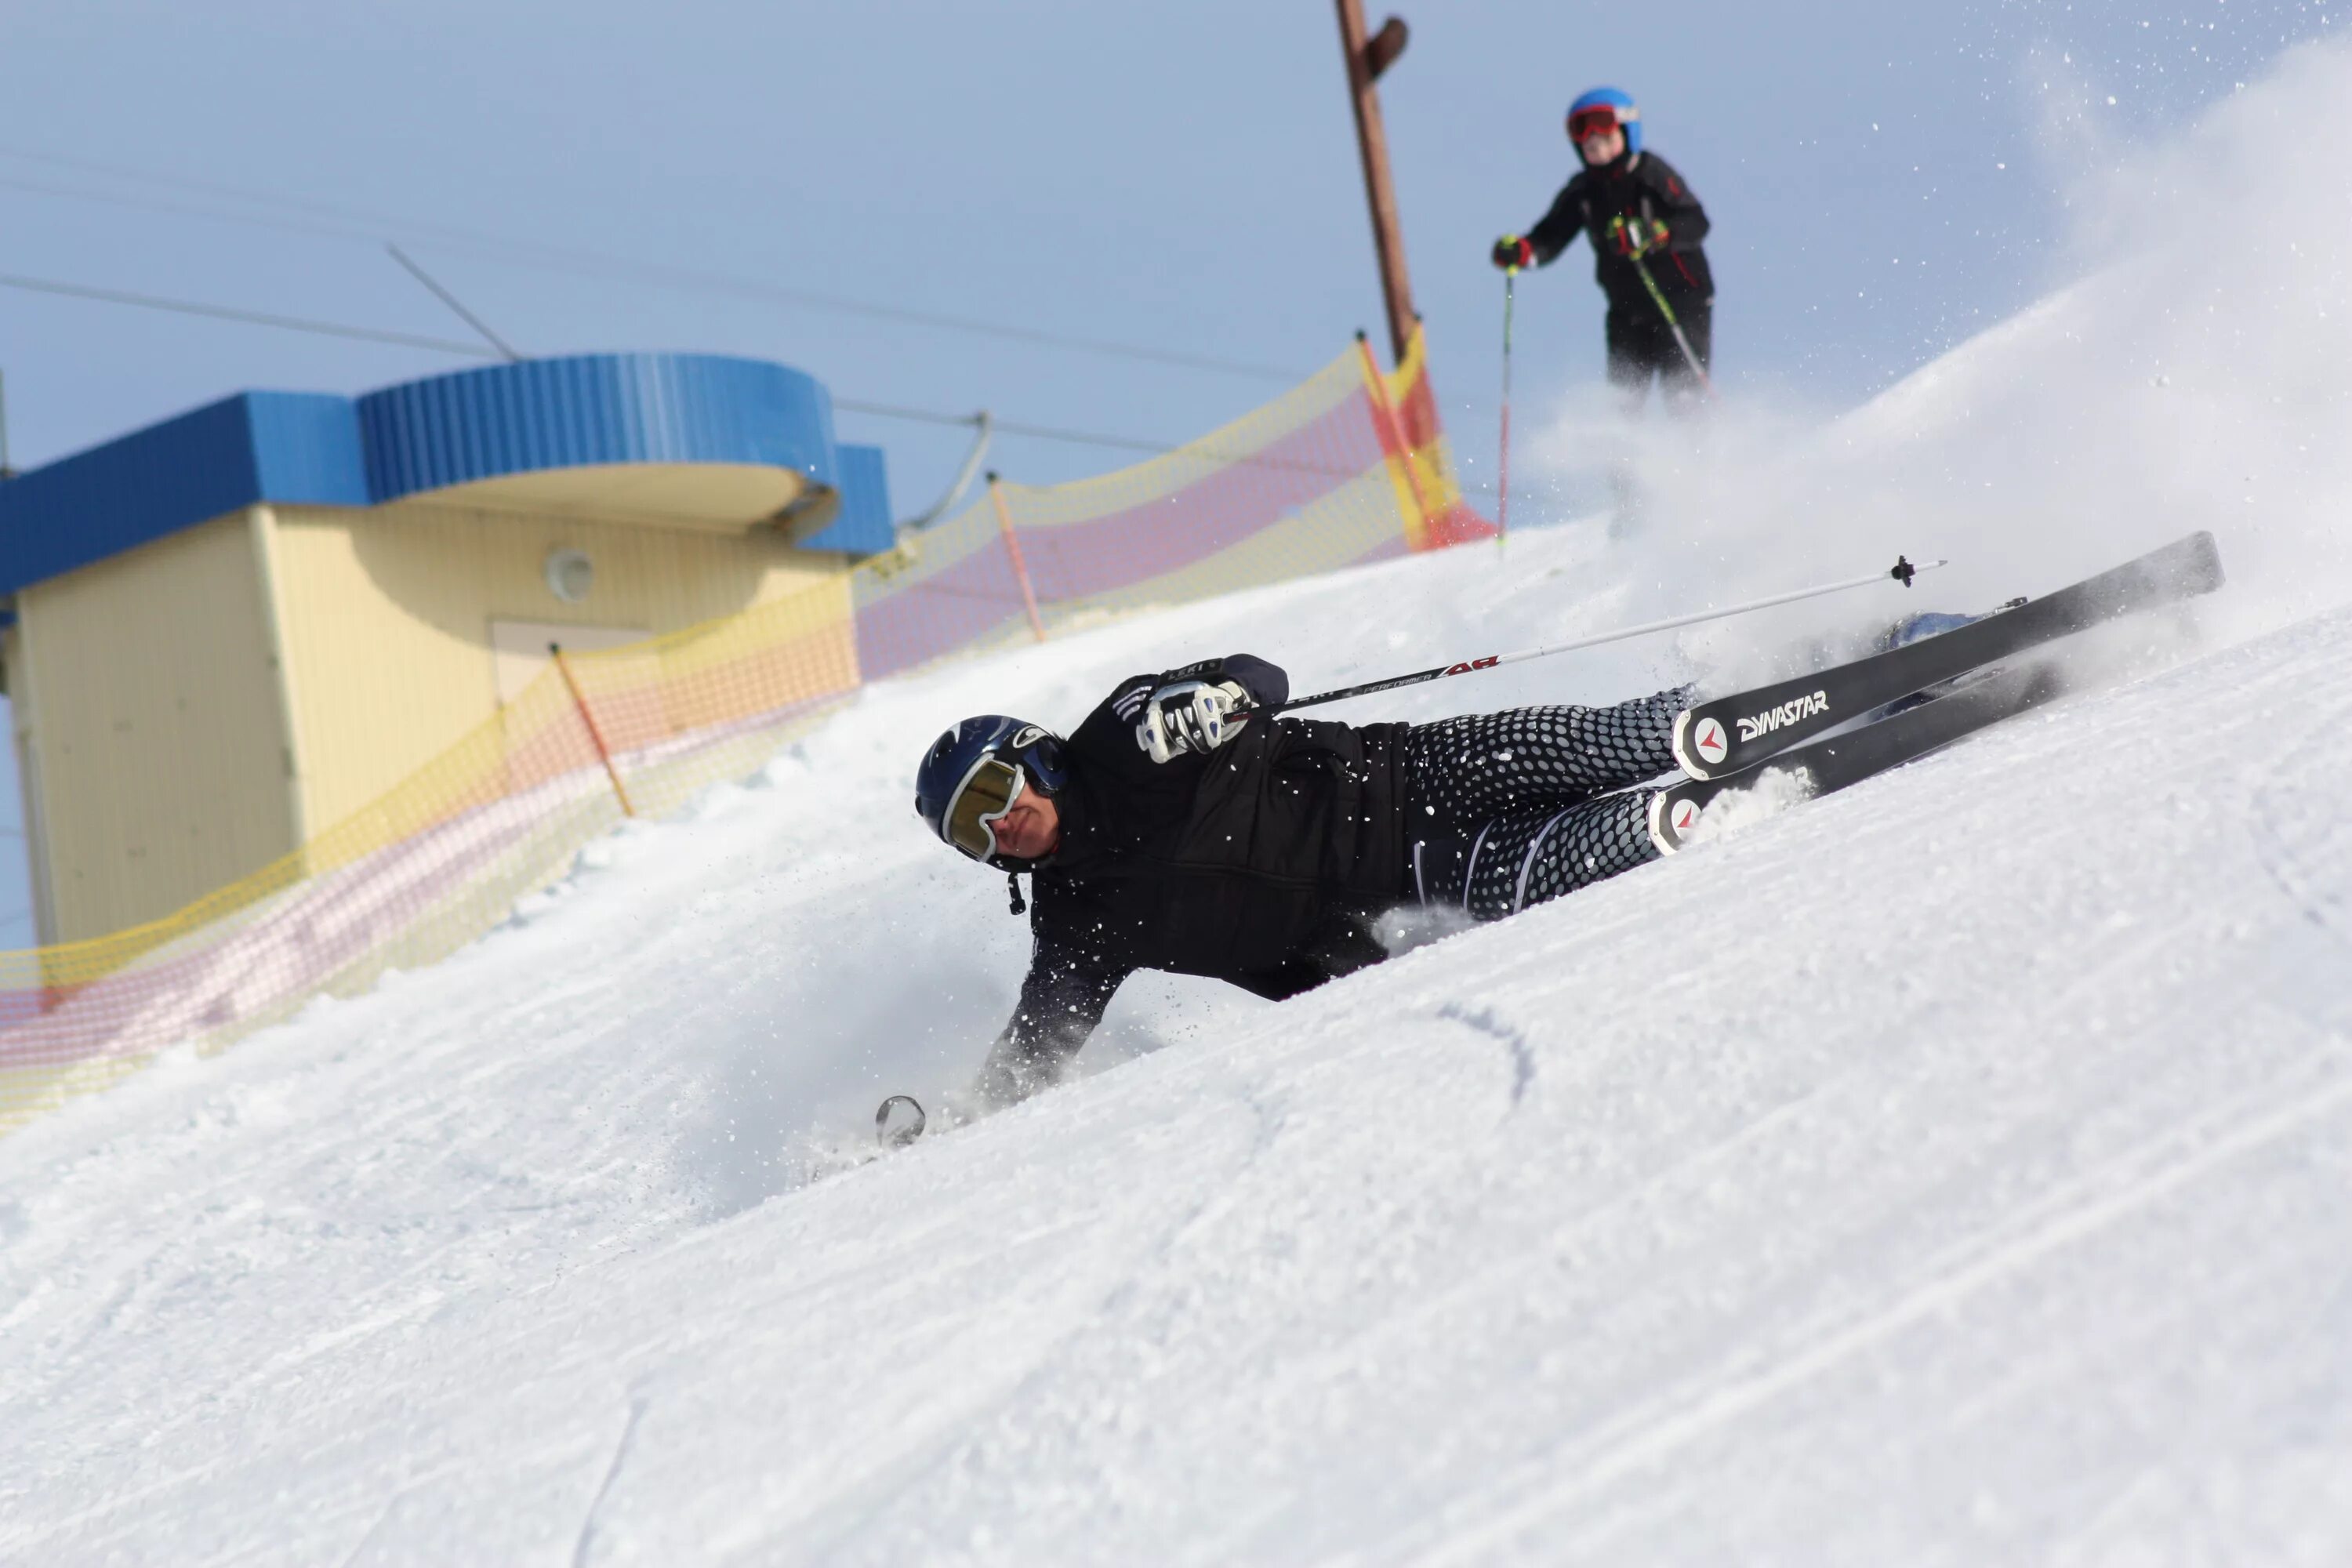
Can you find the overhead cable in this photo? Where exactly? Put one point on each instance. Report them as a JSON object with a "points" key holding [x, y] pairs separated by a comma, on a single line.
{"points": [[481, 351], [253, 318], [597, 264]]}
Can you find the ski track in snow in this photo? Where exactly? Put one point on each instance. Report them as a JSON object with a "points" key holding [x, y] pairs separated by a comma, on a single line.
{"points": [[1952, 1170]]}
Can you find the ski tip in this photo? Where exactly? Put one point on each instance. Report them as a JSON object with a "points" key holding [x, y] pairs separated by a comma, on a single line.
{"points": [[893, 1132]]}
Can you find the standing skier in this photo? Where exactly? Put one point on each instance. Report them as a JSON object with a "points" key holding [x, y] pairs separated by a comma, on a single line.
{"points": [[1645, 226], [1173, 831]]}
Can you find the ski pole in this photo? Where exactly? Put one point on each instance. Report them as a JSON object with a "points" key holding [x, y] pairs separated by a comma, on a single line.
{"points": [[1674, 326], [1902, 571], [1503, 481]]}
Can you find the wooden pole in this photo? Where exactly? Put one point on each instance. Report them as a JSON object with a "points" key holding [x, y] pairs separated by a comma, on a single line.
{"points": [[1367, 58], [602, 754], [1012, 547]]}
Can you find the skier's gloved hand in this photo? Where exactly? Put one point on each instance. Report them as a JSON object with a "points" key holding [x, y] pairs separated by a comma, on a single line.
{"points": [[1513, 251], [1189, 716], [1633, 237]]}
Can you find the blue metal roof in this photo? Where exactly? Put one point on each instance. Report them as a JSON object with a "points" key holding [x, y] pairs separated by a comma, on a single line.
{"points": [[594, 409], [318, 449], [286, 446], [863, 526]]}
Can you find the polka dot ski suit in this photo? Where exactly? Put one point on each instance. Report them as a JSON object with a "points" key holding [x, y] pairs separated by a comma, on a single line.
{"points": [[1515, 807]]}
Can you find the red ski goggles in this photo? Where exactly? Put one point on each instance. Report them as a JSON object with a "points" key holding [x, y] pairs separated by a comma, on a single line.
{"points": [[1597, 120]]}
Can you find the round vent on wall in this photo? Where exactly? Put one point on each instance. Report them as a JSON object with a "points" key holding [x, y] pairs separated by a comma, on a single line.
{"points": [[570, 574]]}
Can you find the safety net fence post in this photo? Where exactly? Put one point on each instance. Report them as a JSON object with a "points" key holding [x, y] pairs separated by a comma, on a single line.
{"points": [[1350, 466]]}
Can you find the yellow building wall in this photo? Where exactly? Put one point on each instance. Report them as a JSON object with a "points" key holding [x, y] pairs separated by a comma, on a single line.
{"points": [[385, 615], [150, 713]]}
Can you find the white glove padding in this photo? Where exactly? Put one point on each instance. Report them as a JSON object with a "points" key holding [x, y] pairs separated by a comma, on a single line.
{"points": [[1189, 716]]}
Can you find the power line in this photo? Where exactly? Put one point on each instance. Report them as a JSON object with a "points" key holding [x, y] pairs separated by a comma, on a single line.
{"points": [[480, 351], [593, 263], [1093, 438], [1009, 427], [251, 317]]}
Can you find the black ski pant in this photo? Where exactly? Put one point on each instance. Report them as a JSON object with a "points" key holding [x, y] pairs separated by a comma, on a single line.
{"points": [[1642, 346], [1512, 808]]}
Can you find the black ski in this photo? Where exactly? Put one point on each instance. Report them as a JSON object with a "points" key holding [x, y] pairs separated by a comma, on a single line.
{"points": [[1720, 738], [1840, 759]]}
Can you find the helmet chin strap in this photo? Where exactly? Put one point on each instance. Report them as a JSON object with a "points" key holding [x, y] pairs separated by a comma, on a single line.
{"points": [[1013, 885]]}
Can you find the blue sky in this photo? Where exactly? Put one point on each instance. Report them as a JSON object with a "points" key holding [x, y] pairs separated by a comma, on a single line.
{"points": [[1883, 182]]}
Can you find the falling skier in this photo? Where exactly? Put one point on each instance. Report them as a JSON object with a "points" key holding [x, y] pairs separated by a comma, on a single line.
{"points": [[1185, 826], [1645, 226], [1175, 831]]}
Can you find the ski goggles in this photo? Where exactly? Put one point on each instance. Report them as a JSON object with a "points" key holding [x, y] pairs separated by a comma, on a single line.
{"points": [[987, 793], [1597, 120]]}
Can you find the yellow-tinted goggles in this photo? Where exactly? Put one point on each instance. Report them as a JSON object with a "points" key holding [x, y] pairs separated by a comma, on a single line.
{"points": [[986, 794]]}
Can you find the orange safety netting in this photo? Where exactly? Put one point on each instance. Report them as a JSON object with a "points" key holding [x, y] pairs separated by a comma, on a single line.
{"points": [[1347, 466]]}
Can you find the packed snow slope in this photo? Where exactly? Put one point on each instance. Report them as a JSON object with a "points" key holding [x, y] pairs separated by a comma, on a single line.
{"points": [[1955, 1170]]}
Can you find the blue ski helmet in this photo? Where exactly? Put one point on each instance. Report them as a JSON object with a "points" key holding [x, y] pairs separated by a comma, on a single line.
{"points": [[1619, 106], [956, 758]]}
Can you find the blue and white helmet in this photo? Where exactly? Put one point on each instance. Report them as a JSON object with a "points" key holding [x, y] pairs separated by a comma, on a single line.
{"points": [[1618, 107], [958, 762]]}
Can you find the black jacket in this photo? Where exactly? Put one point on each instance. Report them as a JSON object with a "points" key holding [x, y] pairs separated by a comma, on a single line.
{"points": [[1641, 185], [1262, 864]]}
